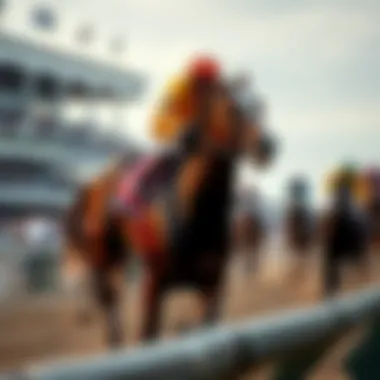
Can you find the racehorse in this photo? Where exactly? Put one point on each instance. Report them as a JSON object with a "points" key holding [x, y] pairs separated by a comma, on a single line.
{"points": [[249, 232], [85, 223], [344, 231], [299, 229], [371, 185], [180, 232], [299, 219]]}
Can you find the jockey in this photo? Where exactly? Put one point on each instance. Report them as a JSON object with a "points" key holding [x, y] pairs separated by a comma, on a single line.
{"points": [[176, 111], [344, 184], [182, 97]]}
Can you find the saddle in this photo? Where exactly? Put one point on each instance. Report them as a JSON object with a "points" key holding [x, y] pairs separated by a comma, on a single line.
{"points": [[149, 180]]}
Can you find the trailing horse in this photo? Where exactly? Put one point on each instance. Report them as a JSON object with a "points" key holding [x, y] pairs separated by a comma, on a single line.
{"points": [[173, 211], [344, 231], [371, 190], [299, 219], [249, 232]]}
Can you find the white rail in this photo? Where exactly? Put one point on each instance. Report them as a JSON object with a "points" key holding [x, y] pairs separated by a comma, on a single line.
{"points": [[224, 352]]}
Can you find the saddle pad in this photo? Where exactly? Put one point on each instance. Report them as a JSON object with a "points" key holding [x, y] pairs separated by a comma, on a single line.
{"points": [[129, 196], [146, 235]]}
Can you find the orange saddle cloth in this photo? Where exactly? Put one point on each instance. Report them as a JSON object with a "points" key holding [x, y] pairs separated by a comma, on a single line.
{"points": [[146, 234]]}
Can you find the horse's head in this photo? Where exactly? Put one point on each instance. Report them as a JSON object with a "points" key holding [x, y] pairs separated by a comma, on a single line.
{"points": [[208, 106], [235, 126], [256, 140]]}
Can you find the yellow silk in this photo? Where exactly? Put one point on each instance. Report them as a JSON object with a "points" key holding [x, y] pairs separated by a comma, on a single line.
{"points": [[173, 110], [357, 184]]}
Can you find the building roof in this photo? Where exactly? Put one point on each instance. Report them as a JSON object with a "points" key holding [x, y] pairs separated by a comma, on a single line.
{"points": [[70, 68]]}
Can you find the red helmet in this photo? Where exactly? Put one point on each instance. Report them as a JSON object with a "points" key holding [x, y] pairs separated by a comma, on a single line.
{"points": [[204, 67]]}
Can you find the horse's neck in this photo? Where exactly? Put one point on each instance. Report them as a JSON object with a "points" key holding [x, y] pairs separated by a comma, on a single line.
{"points": [[215, 194]]}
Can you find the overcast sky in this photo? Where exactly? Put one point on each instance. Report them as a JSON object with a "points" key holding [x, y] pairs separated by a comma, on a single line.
{"points": [[316, 62]]}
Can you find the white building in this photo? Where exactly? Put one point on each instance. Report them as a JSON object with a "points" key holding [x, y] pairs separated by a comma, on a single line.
{"points": [[60, 113], [49, 122]]}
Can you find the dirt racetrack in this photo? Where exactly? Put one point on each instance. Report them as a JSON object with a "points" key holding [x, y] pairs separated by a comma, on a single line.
{"points": [[42, 328]]}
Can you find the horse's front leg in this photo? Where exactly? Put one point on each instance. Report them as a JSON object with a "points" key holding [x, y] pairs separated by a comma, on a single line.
{"points": [[331, 275], [212, 292], [115, 311], [213, 305], [152, 293], [108, 290], [85, 310], [252, 251]]}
